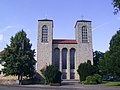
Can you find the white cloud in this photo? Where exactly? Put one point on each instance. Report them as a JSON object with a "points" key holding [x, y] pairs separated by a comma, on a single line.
{"points": [[1, 37], [15, 27], [6, 28], [103, 24]]}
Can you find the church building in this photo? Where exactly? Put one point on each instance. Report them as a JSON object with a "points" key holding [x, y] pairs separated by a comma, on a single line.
{"points": [[64, 54]]}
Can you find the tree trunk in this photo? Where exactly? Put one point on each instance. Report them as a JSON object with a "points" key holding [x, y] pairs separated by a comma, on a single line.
{"points": [[20, 79]]}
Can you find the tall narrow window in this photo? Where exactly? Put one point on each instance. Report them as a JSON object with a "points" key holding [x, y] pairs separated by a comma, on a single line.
{"points": [[44, 34], [72, 58], [56, 57], [84, 34], [64, 58]]}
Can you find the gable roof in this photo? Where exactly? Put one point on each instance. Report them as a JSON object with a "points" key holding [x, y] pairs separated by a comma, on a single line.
{"points": [[64, 41]]}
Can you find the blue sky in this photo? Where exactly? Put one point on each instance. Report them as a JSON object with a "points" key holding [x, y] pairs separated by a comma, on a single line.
{"points": [[24, 14]]}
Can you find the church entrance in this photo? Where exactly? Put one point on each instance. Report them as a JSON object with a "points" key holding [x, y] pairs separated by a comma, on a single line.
{"points": [[64, 74], [72, 74], [64, 60]]}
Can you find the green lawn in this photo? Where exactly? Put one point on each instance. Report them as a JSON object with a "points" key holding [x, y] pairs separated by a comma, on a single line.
{"points": [[111, 83]]}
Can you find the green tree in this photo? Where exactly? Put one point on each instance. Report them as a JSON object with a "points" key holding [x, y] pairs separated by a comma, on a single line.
{"points": [[51, 74], [116, 4], [115, 55], [111, 60], [105, 65], [18, 56]]}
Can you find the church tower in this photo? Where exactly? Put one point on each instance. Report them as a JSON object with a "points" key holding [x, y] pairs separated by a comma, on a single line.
{"points": [[83, 33], [44, 43], [64, 54]]}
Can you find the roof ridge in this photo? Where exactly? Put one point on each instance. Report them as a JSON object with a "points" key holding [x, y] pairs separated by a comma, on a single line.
{"points": [[64, 41]]}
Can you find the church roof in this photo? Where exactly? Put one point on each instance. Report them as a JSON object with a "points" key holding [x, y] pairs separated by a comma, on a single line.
{"points": [[45, 20], [64, 41], [82, 21]]}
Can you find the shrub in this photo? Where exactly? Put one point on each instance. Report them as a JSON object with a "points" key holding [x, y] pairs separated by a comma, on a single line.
{"points": [[51, 74], [90, 80], [94, 79], [84, 70], [98, 78]]}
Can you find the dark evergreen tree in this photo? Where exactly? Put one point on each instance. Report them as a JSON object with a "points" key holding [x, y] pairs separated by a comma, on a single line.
{"points": [[96, 57], [18, 56]]}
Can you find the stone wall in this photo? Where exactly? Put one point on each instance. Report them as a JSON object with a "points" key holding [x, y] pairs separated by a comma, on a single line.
{"points": [[7, 82], [44, 49]]}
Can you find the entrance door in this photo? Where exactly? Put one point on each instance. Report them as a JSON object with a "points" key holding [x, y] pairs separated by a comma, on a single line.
{"points": [[64, 75], [72, 75]]}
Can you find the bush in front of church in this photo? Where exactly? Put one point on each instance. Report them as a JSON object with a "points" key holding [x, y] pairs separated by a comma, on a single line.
{"points": [[94, 79], [84, 70], [52, 75]]}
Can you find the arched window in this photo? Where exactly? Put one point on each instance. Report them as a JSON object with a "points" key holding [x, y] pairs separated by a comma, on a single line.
{"points": [[72, 58], [44, 33], [56, 57], [64, 58], [84, 34]]}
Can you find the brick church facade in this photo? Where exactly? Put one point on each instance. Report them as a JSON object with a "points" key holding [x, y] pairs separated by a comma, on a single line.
{"points": [[64, 54]]}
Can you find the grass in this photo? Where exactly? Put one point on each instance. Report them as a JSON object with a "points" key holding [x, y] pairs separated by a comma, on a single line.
{"points": [[111, 83]]}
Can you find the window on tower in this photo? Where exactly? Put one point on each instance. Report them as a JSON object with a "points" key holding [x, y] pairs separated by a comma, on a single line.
{"points": [[44, 34], [84, 34]]}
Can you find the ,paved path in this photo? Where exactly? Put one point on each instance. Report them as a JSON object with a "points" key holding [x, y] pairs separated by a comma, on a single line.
{"points": [[66, 85]]}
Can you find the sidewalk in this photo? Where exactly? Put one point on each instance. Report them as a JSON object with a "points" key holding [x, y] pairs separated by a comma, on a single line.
{"points": [[72, 84], [66, 85]]}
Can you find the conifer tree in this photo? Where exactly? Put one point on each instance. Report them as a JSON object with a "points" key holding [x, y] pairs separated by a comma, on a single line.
{"points": [[19, 57]]}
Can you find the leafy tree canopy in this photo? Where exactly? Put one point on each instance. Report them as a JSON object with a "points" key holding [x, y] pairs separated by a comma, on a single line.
{"points": [[111, 60], [116, 4]]}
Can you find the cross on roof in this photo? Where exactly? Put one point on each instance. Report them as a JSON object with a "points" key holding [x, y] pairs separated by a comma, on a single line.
{"points": [[82, 17]]}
